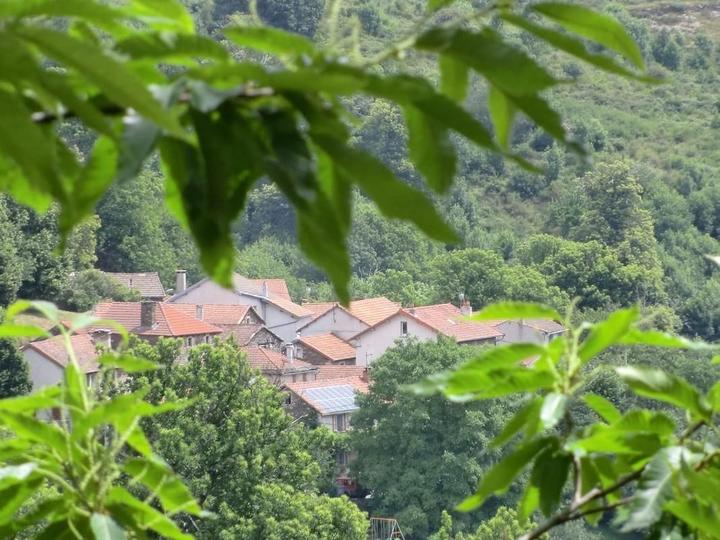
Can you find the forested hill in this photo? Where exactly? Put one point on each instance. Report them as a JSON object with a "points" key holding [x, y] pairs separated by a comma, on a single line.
{"points": [[633, 228]]}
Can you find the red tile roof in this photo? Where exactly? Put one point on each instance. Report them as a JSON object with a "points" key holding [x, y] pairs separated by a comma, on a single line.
{"points": [[447, 319], [319, 309], [330, 346], [334, 371], [356, 382], [373, 310], [289, 306], [148, 284], [270, 360], [218, 314], [276, 287], [169, 322], [54, 349]]}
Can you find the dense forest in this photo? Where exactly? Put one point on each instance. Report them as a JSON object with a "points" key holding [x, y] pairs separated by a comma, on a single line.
{"points": [[633, 228], [630, 223]]}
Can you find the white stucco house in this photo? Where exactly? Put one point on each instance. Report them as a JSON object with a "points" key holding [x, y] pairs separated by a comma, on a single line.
{"points": [[268, 297], [48, 358]]}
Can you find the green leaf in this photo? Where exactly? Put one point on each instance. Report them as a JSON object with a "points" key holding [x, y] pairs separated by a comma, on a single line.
{"points": [[528, 414], [514, 311], [553, 409], [46, 309], [654, 489], [159, 478], [74, 388], [502, 112], [136, 143], [26, 144], [15, 496], [454, 78], [163, 14], [603, 407], [549, 474], [529, 502], [500, 476], [21, 331], [167, 46], [538, 110], [607, 333], [111, 77], [105, 528], [699, 516], [500, 357], [575, 47], [394, 198], [505, 66], [595, 26], [656, 338], [145, 515], [661, 386], [430, 149], [44, 398], [270, 40], [35, 430], [434, 5], [127, 363]]}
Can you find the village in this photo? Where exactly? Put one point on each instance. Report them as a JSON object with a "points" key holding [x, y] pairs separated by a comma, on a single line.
{"points": [[320, 354]]}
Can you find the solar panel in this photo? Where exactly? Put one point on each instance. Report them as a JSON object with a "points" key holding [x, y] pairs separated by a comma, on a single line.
{"points": [[332, 399]]}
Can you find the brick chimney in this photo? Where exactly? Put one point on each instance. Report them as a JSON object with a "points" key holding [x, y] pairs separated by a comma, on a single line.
{"points": [[180, 281], [264, 290], [101, 337], [290, 353], [466, 308], [147, 314]]}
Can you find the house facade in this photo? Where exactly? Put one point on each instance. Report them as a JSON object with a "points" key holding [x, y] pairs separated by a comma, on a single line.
{"points": [[48, 358], [325, 349], [269, 298], [278, 368], [538, 331]]}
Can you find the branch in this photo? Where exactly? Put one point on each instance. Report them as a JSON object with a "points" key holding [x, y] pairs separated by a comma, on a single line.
{"points": [[574, 511]]}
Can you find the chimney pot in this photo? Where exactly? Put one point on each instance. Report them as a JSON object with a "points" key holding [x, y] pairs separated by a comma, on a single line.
{"points": [[147, 314], [180, 281]]}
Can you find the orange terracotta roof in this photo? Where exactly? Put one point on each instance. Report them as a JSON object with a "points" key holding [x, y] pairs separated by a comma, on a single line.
{"points": [[54, 349], [319, 309], [148, 284], [447, 319], [334, 371], [169, 322], [330, 346], [276, 287], [373, 310], [289, 306], [356, 382], [217, 314], [270, 360]]}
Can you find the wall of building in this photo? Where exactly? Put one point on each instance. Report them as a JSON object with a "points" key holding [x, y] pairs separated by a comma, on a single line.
{"points": [[43, 372], [336, 321], [209, 292], [266, 339], [516, 332], [372, 344], [281, 322]]}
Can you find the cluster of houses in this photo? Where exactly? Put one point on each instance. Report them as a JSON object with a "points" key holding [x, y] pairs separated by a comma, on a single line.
{"points": [[319, 353]]}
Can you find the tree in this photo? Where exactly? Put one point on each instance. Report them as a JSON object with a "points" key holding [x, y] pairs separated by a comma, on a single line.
{"points": [[87, 288], [10, 262], [237, 449], [504, 525], [298, 138], [651, 465], [420, 454], [14, 374]]}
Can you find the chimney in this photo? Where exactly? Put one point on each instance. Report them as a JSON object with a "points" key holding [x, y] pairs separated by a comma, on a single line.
{"points": [[264, 289], [364, 376], [101, 337], [180, 281], [147, 314], [466, 308], [199, 312], [290, 352]]}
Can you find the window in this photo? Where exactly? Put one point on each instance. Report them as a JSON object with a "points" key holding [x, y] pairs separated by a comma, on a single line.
{"points": [[340, 422], [304, 377], [342, 459], [403, 328], [207, 339], [189, 342], [299, 351]]}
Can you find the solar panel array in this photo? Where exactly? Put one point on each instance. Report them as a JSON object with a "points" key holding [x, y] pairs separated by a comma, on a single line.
{"points": [[332, 399]]}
